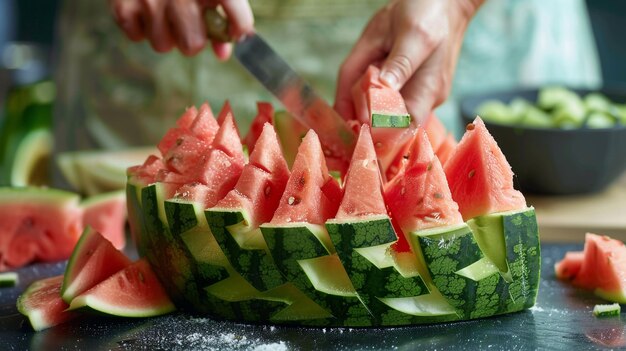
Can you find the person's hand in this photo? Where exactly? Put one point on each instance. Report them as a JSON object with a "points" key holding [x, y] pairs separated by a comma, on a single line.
{"points": [[180, 23], [416, 43]]}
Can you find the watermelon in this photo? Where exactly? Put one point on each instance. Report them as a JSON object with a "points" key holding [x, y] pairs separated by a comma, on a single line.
{"points": [[610, 310], [94, 259], [106, 213], [8, 279], [312, 252], [377, 103], [42, 304], [570, 265], [480, 178], [37, 224], [134, 291], [290, 132], [265, 114], [600, 267]]}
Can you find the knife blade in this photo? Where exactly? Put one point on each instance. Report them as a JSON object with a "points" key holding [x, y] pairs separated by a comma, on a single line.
{"points": [[298, 96]]}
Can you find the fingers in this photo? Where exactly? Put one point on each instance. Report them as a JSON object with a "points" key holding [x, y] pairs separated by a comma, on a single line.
{"points": [[428, 87], [127, 14], [240, 18], [187, 25], [370, 48], [222, 50], [157, 28]]}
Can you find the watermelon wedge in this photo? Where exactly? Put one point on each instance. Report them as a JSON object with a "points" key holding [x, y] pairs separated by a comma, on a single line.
{"points": [[106, 214], [265, 114], [42, 304], [94, 259], [480, 178], [602, 269], [380, 106], [570, 265], [37, 224], [132, 292]]}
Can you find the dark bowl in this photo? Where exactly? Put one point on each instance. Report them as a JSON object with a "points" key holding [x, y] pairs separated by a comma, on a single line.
{"points": [[557, 161]]}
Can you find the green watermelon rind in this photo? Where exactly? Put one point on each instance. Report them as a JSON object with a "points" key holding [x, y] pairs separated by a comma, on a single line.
{"points": [[8, 279], [381, 120], [314, 247]]}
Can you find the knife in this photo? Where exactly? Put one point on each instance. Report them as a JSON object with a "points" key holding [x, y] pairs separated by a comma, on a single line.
{"points": [[298, 96]]}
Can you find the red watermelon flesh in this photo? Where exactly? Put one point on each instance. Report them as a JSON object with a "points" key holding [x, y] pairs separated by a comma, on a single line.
{"points": [[187, 153], [363, 194], [33, 230], [303, 199], [94, 259], [183, 124], [419, 198], [204, 126], [262, 181], [377, 97], [603, 268], [190, 192], [224, 164], [265, 114], [106, 213], [224, 112], [570, 265], [446, 149], [479, 175], [436, 131], [42, 304], [134, 291], [147, 172]]}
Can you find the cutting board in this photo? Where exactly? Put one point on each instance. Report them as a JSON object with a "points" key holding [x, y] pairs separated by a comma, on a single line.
{"points": [[567, 218]]}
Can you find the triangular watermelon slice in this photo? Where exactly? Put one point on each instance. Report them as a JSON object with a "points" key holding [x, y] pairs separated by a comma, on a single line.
{"points": [[134, 291], [311, 193], [373, 98], [479, 175], [204, 126], [93, 260], [419, 197], [570, 265], [223, 166], [146, 173], [182, 128], [363, 195], [42, 304], [224, 112], [262, 181], [265, 114], [106, 214]]}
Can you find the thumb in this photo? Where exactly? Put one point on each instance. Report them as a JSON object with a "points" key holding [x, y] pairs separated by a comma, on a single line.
{"points": [[411, 47]]}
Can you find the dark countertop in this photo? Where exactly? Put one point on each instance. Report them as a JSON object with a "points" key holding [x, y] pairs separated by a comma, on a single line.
{"points": [[561, 320]]}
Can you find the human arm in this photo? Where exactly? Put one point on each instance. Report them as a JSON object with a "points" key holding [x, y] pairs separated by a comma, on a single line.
{"points": [[416, 43], [169, 24]]}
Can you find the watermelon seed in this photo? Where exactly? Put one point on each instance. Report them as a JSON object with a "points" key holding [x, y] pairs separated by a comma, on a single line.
{"points": [[470, 126], [471, 173], [301, 181], [293, 200], [406, 157], [430, 166], [268, 189], [141, 277], [179, 141], [378, 145], [438, 196]]}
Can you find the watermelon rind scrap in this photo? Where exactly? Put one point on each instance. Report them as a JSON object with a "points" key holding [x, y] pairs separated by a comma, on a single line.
{"points": [[8, 279], [610, 310]]}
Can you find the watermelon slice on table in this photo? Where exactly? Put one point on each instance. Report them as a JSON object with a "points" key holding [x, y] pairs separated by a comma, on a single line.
{"points": [[134, 291], [93, 260], [480, 178], [570, 265], [603, 268], [42, 304], [37, 224], [106, 214], [265, 114]]}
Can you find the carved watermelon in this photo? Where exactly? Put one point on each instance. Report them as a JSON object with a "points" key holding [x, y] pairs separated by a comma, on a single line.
{"points": [[297, 247]]}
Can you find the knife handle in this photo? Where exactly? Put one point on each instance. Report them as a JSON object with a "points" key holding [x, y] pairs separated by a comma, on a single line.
{"points": [[216, 25]]}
